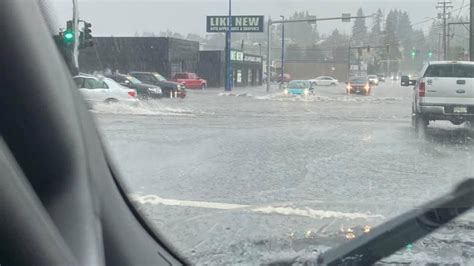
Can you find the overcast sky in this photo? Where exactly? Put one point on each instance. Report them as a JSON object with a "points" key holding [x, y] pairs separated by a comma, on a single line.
{"points": [[125, 17]]}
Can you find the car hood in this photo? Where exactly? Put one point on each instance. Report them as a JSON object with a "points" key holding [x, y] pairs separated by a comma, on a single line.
{"points": [[168, 83]]}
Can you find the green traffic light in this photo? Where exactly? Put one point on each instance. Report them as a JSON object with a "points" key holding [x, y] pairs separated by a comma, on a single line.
{"points": [[68, 36], [413, 54], [430, 54]]}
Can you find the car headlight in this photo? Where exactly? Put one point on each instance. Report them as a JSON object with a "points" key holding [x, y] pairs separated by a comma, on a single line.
{"points": [[285, 91], [306, 92], [367, 87]]}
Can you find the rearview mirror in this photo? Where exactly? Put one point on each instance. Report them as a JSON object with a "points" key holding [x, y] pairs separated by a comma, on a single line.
{"points": [[405, 81]]}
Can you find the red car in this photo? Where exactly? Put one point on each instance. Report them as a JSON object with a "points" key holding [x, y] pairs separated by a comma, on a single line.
{"points": [[190, 80]]}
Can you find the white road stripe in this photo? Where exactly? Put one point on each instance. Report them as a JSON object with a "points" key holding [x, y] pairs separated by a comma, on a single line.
{"points": [[155, 200], [305, 212]]}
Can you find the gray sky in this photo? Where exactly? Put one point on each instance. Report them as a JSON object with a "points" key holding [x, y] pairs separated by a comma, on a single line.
{"points": [[125, 17]]}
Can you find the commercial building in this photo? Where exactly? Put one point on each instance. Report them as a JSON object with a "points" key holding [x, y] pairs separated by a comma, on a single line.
{"points": [[161, 54], [247, 68]]}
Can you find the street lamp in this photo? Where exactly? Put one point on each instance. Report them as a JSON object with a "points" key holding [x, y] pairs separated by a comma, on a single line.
{"points": [[229, 78], [282, 50]]}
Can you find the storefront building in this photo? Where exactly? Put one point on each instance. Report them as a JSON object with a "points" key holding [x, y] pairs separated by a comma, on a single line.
{"points": [[247, 68], [152, 54]]}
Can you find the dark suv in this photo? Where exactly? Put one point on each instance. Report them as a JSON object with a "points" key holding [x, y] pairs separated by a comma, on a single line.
{"points": [[169, 88], [144, 91]]}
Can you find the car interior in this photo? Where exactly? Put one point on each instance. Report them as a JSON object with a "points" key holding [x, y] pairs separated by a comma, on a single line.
{"points": [[62, 202]]}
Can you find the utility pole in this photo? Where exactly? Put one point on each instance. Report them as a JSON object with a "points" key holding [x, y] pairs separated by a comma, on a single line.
{"points": [[282, 72], [444, 8], [75, 26], [228, 74], [439, 46], [471, 33]]}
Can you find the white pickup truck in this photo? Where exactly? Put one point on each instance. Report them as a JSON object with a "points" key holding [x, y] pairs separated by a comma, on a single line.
{"points": [[444, 91]]}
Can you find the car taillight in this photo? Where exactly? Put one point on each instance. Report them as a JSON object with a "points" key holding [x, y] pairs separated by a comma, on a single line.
{"points": [[422, 89], [132, 93]]}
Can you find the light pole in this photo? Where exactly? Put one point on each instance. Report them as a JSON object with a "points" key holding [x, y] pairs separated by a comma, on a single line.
{"points": [[228, 76], [282, 73], [259, 47], [268, 60]]}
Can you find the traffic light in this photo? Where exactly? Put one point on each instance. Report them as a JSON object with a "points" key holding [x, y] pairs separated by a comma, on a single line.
{"points": [[86, 36], [68, 34], [413, 54], [430, 54]]}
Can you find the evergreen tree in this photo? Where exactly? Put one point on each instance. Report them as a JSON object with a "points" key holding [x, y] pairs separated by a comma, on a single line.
{"points": [[359, 30]]}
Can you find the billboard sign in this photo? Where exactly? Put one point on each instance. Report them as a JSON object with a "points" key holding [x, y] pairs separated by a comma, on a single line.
{"points": [[239, 23]]}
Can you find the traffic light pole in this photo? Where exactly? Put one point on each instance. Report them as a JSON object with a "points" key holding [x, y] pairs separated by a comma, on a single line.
{"points": [[75, 25]]}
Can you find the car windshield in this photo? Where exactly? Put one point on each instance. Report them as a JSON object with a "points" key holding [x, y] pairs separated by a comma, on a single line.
{"points": [[298, 84], [133, 80], [265, 157], [450, 71], [358, 80], [159, 77]]}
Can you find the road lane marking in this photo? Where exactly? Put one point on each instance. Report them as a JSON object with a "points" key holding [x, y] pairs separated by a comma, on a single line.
{"points": [[155, 200], [289, 211]]}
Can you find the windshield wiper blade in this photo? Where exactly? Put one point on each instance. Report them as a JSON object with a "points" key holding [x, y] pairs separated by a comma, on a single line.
{"points": [[405, 229]]}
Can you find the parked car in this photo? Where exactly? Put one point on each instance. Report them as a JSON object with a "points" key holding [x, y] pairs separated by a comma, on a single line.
{"points": [[144, 91], [445, 91], [381, 77], [169, 88], [190, 80], [373, 79], [359, 85], [299, 87], [324, 81], [100, 90]]}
